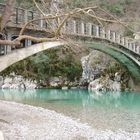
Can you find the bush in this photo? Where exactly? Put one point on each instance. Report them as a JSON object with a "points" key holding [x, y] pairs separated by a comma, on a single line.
{"points": [[128, 33], [117, 9], [47, 64]]}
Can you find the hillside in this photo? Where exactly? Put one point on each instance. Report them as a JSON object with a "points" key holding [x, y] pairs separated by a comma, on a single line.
{"points": [[127, 11]]}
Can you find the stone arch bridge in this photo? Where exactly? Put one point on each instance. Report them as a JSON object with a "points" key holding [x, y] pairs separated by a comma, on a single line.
{"points": [[123, 49]]}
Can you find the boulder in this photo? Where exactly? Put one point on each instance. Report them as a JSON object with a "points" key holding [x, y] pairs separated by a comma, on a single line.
{"points": [[104, 84], [6, 86], [8, 80], [17, 82], [55, 81], [95, 85], [116, 86]]}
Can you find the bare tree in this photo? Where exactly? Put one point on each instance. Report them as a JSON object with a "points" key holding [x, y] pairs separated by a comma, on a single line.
{"points": [[60, 18]]}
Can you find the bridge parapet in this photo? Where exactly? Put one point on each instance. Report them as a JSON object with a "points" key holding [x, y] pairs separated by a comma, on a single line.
{"points": [[95, 31]]}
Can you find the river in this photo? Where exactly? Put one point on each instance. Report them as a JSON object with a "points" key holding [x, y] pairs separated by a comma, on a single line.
{"points": [[115, 111]]}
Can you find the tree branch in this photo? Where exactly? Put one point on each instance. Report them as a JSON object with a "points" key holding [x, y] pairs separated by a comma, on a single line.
{"points": [[8, 11], [18, 40]]}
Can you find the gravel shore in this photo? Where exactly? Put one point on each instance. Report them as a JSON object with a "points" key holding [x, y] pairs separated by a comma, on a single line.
{"points": [[24, 122]]}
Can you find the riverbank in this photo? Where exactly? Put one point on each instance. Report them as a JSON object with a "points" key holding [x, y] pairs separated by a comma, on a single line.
{"points": [[20, 122]]}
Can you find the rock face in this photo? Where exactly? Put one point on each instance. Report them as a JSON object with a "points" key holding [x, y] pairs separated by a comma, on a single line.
{"points": [[55, 81], [104, 84], [93, 66], [62, 82], [95, 85], [85, 66], [16, 82]]}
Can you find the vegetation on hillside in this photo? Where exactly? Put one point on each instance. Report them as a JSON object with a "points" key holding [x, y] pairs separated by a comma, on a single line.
{"points": [[47, 64]]}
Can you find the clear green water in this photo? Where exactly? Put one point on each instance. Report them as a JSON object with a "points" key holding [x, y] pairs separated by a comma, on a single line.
{"points": [[103, 111]]}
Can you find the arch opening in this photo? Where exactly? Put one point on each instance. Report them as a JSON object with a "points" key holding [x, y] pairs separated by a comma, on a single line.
{"points": [[131, 65]]}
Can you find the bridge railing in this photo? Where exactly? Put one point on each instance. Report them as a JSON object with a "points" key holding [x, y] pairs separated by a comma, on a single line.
{"points": [[74, 27], [81, 28]]}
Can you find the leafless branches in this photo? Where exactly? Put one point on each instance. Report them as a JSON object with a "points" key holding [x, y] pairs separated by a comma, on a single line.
{"points": [[60, 18]]}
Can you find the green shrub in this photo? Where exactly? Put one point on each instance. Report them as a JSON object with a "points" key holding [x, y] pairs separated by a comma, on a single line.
{"points": [[117, 9]]}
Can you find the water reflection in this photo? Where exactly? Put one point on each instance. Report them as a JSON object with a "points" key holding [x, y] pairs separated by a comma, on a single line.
{"points": [[73, 97]]}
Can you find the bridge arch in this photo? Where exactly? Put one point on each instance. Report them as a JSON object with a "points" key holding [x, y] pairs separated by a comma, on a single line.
{"points": [[131, 64], [23, 53]]}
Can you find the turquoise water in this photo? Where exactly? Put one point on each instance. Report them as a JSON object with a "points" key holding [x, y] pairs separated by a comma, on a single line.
{"points": [[103, 111]]}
